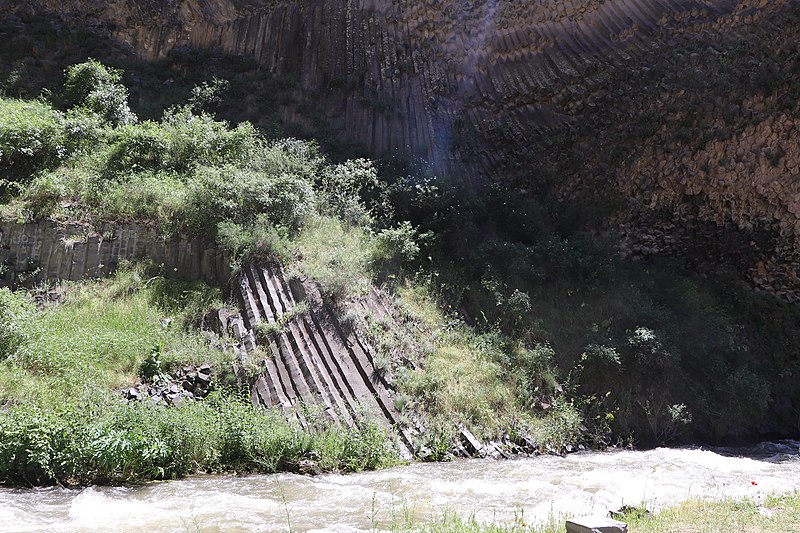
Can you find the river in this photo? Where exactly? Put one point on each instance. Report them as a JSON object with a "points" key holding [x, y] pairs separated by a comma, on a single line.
{"points": [[581, 483]]}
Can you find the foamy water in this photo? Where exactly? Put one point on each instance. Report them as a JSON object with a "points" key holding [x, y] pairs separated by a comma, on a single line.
{"points": [[540, 487]]}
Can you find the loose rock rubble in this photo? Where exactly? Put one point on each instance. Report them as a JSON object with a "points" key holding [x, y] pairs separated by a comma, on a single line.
{"points": [[189, 383]]}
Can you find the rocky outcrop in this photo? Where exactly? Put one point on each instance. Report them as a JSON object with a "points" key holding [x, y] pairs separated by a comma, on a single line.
{"points": [[583, 101], [306, 355], [422, 78], [46, 250], [187, 384]]}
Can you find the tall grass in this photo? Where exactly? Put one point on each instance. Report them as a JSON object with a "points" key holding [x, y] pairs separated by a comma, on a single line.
{"points": [[103, 441], [97, 338], [461, 377], [773, 514]]}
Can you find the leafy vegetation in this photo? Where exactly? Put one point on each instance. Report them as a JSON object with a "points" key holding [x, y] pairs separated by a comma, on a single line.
{"points": [[646, 350], [141, 441], [459, 376], [97, 89]]}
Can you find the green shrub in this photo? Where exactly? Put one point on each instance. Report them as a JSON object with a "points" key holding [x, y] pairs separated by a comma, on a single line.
{"points": [[139, 146], [196, 140], [394, 247], [32, 138], [341, 187], [534, 370], [254, 243], [153, 196], [110, 102], [97, 88], [83, 130], [301, 159], [83, 78], [208, 95], [73, 184], [239, 196]]}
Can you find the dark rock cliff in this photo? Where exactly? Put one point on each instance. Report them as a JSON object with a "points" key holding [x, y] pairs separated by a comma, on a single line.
{"points": [[677, 119]]}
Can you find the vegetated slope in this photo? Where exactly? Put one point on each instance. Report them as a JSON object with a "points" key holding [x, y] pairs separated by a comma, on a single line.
{"points": [[556, 113], [650, 115], [65, 421], [83, 159]]}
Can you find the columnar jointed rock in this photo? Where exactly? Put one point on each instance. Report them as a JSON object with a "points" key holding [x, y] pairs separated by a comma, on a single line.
{"points": [[493, 90], [48, 251], [310, 359]]}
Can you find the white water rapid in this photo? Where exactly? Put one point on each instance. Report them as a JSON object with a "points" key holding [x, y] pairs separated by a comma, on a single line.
{"points": [[581, 483]]}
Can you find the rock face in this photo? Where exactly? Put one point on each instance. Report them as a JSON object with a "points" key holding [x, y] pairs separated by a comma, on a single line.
{"points": [[681, 112], [307, 357], [47, 251]]}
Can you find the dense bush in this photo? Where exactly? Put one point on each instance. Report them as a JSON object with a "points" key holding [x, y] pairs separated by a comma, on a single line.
{"points": [[341, 187], [32, 138], [218, 194], [97, 88], [187, 172], [196, 140], [395, 247], [181, 141], [258, 242]]}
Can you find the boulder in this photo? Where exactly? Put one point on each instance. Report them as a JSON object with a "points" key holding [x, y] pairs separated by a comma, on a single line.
{"points": [[594, 524], [470, 442]]}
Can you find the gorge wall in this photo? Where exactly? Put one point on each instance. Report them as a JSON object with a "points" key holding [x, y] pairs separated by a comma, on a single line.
{"points": [[676, 120]]}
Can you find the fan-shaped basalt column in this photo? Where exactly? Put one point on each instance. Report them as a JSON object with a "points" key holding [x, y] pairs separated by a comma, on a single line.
{"points": [[308, 357]]}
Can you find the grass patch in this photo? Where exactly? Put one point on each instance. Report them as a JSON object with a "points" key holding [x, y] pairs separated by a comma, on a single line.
{"points": [[96, 339], [337, 256], [106, 442], [462, 377], [776, 514]]}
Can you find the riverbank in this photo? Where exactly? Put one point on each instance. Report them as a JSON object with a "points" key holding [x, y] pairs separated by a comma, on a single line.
{"points": [[773, 513], [89, 396], [777, 513]]}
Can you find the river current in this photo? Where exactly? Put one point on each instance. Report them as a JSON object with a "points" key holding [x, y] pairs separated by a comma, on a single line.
{"points": [[540, 487]]}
